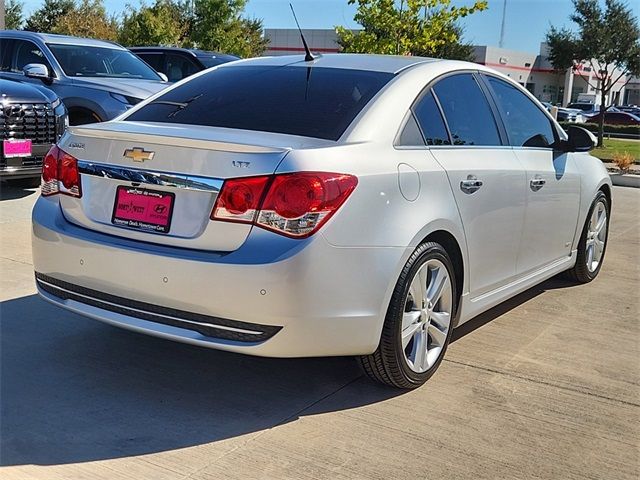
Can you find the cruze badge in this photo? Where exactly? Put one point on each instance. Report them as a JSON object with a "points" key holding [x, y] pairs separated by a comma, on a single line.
{"points": [[138, 154]]}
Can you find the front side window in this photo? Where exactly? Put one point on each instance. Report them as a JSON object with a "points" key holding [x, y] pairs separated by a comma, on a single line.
{"points": [[179, 67], [86, 61], [467, 111], [526, 124], [295, 100], [5, 55], [154, 59], [24, 53]]}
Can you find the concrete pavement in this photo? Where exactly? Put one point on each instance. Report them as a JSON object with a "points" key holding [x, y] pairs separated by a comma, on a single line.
{"points": [[544, 386]]}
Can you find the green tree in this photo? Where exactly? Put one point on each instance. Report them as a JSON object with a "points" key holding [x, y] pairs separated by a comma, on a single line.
{"points": [[44, 19], [219, 25], [606, 39], [13, 15], [88, 19], [166, 23], [408, 27]]}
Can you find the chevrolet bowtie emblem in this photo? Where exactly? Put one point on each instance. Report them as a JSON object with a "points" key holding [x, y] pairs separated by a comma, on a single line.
{"points": [[138, 154]]}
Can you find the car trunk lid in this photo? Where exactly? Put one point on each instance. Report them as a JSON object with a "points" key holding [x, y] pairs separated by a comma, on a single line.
{"points": [[127, 169]]}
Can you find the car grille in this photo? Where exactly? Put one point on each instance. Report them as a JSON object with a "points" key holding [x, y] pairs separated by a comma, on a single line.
{"points": [[206, 325], [28, 121]]}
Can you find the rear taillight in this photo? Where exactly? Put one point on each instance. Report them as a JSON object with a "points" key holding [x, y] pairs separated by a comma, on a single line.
{"points": [[60, 174], [239, 199], [292, 204]]}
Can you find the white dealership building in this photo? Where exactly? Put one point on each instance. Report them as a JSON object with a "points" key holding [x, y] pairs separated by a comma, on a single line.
{"points": [[531, 70]]}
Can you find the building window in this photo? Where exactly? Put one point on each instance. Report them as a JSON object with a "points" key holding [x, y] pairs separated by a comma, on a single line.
{"points": [[527, 64]]}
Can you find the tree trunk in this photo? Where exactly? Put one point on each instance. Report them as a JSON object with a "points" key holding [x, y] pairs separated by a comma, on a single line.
{"points": [[603, 109]]}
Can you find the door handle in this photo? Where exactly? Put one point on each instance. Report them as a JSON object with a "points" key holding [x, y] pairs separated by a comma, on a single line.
{"points": [[537, 183], [471, 184]]}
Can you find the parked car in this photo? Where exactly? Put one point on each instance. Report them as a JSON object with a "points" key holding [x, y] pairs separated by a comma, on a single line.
{"points": [[616, 117], [351, 205], [633, 109], [566, 114], [32, 119], [96, 80], [585, 107], [179, 63]]}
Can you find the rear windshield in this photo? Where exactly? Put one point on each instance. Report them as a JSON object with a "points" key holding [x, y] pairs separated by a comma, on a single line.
{"points": [[310, 102]]}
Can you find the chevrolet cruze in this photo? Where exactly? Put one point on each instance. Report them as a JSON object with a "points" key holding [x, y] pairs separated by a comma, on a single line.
{"points": [[347, 205]]}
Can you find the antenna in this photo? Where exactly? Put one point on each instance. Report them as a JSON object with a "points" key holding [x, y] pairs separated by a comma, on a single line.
{"points": [[308, 57]]}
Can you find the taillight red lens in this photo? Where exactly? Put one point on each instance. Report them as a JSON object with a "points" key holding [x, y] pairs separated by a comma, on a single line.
{"points": [[295, 204], [68, 171], [60, 174], [50, 165], [239, 199]]}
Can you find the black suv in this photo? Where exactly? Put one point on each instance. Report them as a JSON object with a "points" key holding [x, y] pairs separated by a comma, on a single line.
{"points": [[32, 118], [178, 63]]}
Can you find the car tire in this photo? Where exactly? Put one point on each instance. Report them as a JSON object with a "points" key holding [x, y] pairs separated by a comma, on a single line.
{"points": [[593, 242], [30, 182], [416, 331], [82, 117]]}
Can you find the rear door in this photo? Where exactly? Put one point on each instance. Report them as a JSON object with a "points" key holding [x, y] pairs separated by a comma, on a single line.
{"points": [[487, 179], [553, 182]]}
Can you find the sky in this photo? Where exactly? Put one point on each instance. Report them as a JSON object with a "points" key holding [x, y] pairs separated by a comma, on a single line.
{"points": [[527, 20]]}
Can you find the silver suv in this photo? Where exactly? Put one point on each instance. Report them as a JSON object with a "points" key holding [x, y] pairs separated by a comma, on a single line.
{"points": [[96, 80]]}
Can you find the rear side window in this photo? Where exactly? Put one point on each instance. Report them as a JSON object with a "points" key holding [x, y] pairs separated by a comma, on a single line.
{"points": [[295, 100], [467, 111], [526, 124], [430, 121]]}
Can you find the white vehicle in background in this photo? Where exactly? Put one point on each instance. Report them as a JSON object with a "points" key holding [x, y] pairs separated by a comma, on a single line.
{"points": [[572, 115], [344, 205]]}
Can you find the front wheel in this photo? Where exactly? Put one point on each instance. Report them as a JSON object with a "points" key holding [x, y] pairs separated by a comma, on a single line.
{"points": [[593, 241], [418, 324]]}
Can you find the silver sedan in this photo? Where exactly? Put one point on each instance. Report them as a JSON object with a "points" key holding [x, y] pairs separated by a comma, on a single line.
{"points": [[348, 205]]}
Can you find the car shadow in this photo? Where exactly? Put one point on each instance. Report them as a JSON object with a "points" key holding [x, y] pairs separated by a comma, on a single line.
{"points": [[15, 189], [508, 305], [75, 390]]}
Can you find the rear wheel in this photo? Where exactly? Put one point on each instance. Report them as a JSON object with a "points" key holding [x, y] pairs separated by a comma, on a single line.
{"points": [[418, 324], [593, 242], [81, 116]]}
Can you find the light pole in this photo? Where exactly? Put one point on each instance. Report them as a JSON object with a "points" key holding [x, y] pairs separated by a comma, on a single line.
{"points": [[504, 17]]}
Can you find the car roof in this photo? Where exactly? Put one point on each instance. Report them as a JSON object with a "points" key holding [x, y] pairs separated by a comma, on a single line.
{"points": [[370, 62], [60, 39], [192, 51]]}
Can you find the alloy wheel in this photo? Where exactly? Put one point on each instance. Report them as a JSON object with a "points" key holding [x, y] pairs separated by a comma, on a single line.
{"points": [[427, 316], [596, 236]]}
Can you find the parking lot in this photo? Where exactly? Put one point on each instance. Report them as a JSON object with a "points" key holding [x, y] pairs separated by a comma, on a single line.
{"points": [[544, 386]]}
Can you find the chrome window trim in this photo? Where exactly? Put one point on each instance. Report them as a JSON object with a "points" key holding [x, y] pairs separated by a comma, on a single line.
{"points": [[149, 177]]}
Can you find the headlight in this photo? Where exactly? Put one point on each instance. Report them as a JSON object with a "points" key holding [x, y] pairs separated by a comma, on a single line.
{"points": [[55, 103], [127, 100]]}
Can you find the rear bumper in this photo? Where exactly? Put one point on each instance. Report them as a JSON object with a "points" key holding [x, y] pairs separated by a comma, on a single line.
{"points": [[273, 296]]}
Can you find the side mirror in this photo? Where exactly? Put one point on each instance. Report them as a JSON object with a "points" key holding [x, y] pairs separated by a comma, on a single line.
{"points": [[36, 70], [580, 140], [163, 76]]}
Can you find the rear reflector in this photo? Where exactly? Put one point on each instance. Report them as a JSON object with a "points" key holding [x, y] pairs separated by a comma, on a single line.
{"points": [[60, 174], [292, 204]]}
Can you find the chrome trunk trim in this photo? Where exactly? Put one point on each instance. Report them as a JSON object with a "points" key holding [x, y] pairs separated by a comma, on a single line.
{"points": [[137, 176]]}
